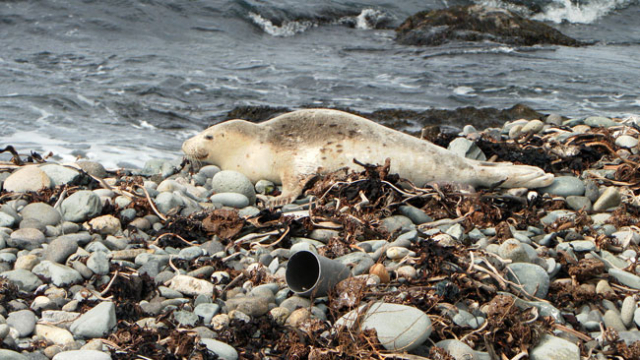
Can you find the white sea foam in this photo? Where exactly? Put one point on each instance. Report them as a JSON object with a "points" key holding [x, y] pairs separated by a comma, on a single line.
{"points": [[288, 28], [368, 18], [464, 91], [578, 12]]}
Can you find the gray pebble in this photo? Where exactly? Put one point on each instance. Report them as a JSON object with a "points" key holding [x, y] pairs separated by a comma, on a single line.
{"points": [[43, 212], [81, 206], [24, 321], [234, 182], [534, 278], [627, 311], [206, 312], [416, 215], [185, 318], [223, 350], [565, 186], [612, 321], [230, 199], [60, 249], [609, 198], [99, 263], [97, 322], [28, 239], [579, 203]]}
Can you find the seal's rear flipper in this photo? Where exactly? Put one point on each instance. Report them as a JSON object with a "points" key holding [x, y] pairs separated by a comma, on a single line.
{"points": [[512, 176]]}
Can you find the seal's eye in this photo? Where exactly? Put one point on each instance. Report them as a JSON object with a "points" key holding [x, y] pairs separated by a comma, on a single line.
{"points": [[209, 137]]}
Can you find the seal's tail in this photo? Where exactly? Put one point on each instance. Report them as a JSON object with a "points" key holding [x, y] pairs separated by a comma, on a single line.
{"points": [[508, 175]]}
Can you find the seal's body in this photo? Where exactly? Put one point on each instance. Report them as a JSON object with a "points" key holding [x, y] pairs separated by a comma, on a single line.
{"points": [[292, 147]]}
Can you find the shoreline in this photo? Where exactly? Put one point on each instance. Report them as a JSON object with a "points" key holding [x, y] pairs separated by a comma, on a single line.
{"points": [[92, 262]]}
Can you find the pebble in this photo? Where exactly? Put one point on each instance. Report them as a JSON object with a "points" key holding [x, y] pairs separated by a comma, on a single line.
{"points": [[61, 175], [554, 348], [394, 223], [565, 186], [82, 355], [43, 212], [513, 250], [27, 179], [105, 225], [627, 142], [612, 321], [228, 181], [166, 202], [24, 279], [579, 203], [92, 168], [534, 278], [457, 349], [98, 262], [60, 249], [54, 334], [599, 121], [24, 321], [11, 355], [81, 206], [6, 220], [609, 198], [230, 199], [279, 314], [416, 215], [466, 148], [625, 278], [298, 317], [626, 311], [250, 305], [223, 350], [60, 275], [95, 323], [206, 312], [185, 318], [28, 239], [191, 286], [399, 327]]}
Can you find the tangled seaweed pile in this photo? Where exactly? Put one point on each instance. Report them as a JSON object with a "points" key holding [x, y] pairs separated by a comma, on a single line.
{"points": [[148, 264]]}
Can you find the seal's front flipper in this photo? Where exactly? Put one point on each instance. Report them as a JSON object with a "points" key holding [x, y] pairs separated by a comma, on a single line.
{"points": [[292, 187]]}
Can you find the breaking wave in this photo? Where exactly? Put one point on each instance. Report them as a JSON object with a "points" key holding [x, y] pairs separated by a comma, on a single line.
{"points": [[580, 12]]}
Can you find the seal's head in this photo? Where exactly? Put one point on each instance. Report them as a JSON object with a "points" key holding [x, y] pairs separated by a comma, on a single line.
{"points": [[217, 142]]}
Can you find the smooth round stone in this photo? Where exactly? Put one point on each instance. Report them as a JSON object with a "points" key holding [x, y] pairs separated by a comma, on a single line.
{"points": [[123, 201], [105, 225], [399, 327], [206, 312], [98, 262], [223, 350], [251, 305], [54, 334], [515, 131], [209, 170], [397, 253], [298, 318], [33, 224], [323, 235], [279, 314], [230, 199], [579, 203], [609, 198], [627, 142], [60, 275], [82, 355], [554, 348], [397, 222], [6, 220], [141, 223], [416, 215], [534, 278], [92, 168], [554, 119], [11, 355], [24, 279], [565, 186], [24, 321], [228, 181], [407, 272], [27, 238], [43, 212], [533, 126], [457, 349], [577, 245], [97, 322], [295, 302], [599, 121], [612, 321], [636, 317], [190, 253], [60, 175], [27, 179], [627, 311], [60, 249], [81, 206], [362, 261], [165, 202], [558, 214], [512, 249]]}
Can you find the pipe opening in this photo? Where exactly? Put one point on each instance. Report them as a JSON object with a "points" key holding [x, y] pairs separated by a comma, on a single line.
{"points": [[303, 271]]}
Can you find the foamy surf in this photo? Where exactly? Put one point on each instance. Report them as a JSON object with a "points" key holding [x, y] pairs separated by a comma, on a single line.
{"points": [[578, 12]]}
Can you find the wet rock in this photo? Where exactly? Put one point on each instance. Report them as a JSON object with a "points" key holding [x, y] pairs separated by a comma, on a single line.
{"points": [[27, 179], [223, 350], [81, 206], [534, 279], [399, 327], [95, 323], [554, 348], [477, 23], [228, 181]]}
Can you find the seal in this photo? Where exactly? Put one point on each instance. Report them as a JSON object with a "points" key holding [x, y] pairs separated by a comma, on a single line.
{"points": [[292, 148]]}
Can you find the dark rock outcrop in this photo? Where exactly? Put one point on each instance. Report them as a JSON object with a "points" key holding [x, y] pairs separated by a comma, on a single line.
{"points": [[477, 23]]}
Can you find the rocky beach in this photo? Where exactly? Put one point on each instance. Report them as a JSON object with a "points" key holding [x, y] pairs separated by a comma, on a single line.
{"points": [[175, 261]]}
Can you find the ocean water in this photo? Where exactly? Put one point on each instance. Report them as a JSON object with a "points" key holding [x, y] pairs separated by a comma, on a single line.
{"points": [[124, 81]]}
